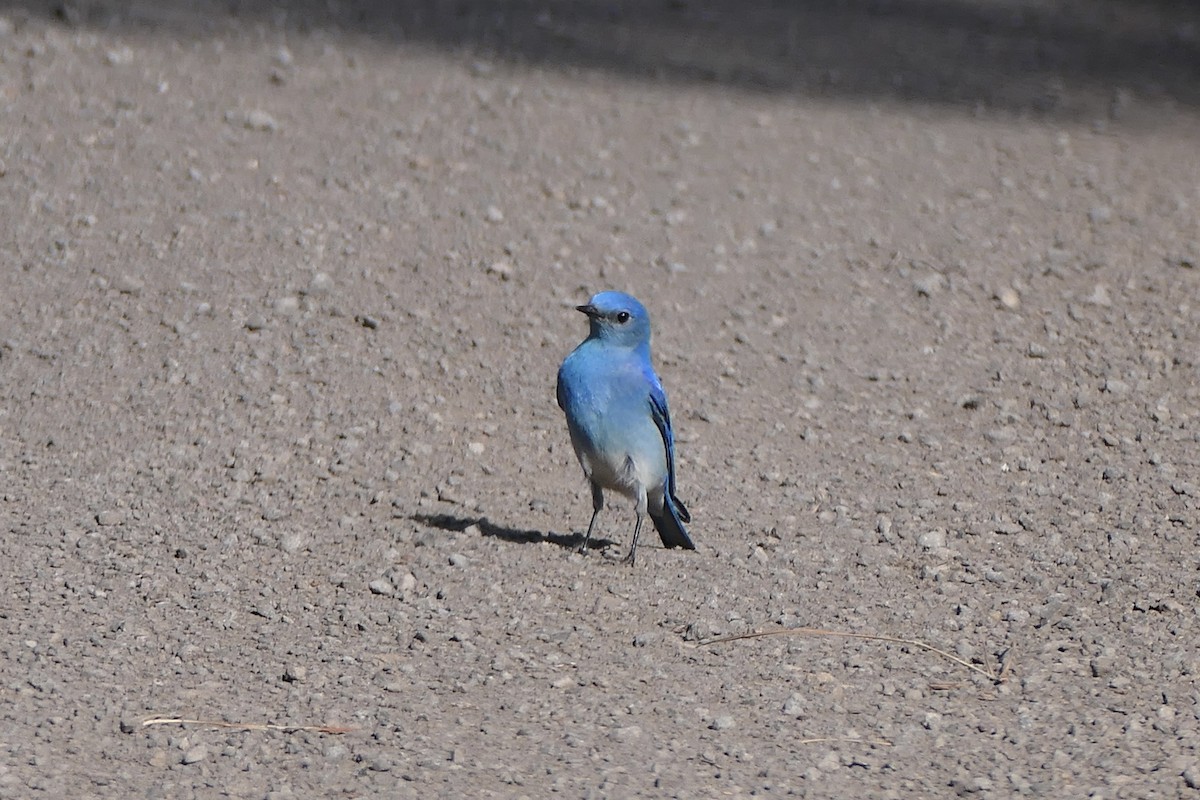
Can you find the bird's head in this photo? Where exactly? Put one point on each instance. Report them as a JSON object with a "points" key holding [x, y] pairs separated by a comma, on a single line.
{"points": [[618, 318]]}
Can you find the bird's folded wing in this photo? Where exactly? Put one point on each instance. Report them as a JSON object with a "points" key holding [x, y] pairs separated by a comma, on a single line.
{"points": [[662, 419], [560, 392]]}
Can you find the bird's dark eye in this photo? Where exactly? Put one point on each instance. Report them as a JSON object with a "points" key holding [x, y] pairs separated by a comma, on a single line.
{"points": [[623, 317]]}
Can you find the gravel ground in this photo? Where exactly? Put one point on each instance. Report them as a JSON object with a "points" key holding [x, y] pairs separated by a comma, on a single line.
{"points": [[284, 291]]}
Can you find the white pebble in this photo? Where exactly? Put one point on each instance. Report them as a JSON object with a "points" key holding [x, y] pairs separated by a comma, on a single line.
{"points": [[1100, 296], [259, 120], [503, 269], [119, 55], [1009, 298], [195, 754], [932, 540], [292, 542], [111, 516], [381, 586], [321, 283], [929, 285], [722, 723]]}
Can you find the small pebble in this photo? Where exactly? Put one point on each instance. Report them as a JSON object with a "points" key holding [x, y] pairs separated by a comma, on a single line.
{"points": [[293, 542], [1117, 387], [127, 284], [981, 784], [501, 269], [382, 586], [722, 723], [930, 284], [259, 120], [117, 56], [294, 673], [1009, 298], [1100, 296], [627, 733], [494, 215], [458, 560], [932, 540], [321, 283], [195, 754], [266, 611], [1000, 436], [111, 516]]}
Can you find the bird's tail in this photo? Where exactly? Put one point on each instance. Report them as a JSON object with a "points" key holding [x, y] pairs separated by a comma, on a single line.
{"points": [[669, 524]]}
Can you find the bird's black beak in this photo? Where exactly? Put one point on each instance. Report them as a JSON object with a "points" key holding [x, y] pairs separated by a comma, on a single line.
{"points": [[588, 309]]}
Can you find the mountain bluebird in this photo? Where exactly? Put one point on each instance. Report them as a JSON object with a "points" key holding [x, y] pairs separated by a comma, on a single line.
{"points": [[617, 414]]}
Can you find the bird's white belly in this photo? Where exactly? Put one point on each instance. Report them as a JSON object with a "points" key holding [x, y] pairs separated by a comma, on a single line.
{"points": [[625, 470]]}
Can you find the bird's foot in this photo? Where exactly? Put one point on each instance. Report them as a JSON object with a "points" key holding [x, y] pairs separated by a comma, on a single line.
{"points": [[628, 559]]}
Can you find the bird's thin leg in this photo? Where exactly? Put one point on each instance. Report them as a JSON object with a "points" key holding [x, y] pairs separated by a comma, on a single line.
{"points": [[597, 504], [637, 527]]}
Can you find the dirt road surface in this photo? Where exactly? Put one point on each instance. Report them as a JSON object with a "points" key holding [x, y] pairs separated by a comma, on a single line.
{"points": [[284, 288]]}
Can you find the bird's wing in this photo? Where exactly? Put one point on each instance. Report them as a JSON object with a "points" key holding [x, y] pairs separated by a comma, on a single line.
{"points": [[662, 419], [560, 392]]}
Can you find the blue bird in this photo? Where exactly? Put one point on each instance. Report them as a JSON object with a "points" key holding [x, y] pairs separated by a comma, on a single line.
{"points": [[617, 415]]}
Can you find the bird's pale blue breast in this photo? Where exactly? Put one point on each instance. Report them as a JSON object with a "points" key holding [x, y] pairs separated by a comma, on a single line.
{"points": [[588, 379], [605, 391]]}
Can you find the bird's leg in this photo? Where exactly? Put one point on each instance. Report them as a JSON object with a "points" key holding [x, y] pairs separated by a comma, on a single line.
{"points": [[587, 536], [637, 527], [597, 504]]}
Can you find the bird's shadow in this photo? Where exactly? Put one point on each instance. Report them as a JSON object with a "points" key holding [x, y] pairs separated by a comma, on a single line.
{"points": [[450, 522]]}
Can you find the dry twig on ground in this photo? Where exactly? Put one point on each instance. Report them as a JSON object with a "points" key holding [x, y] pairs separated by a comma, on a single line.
{"points": [[245, 726], [986, 670]]}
